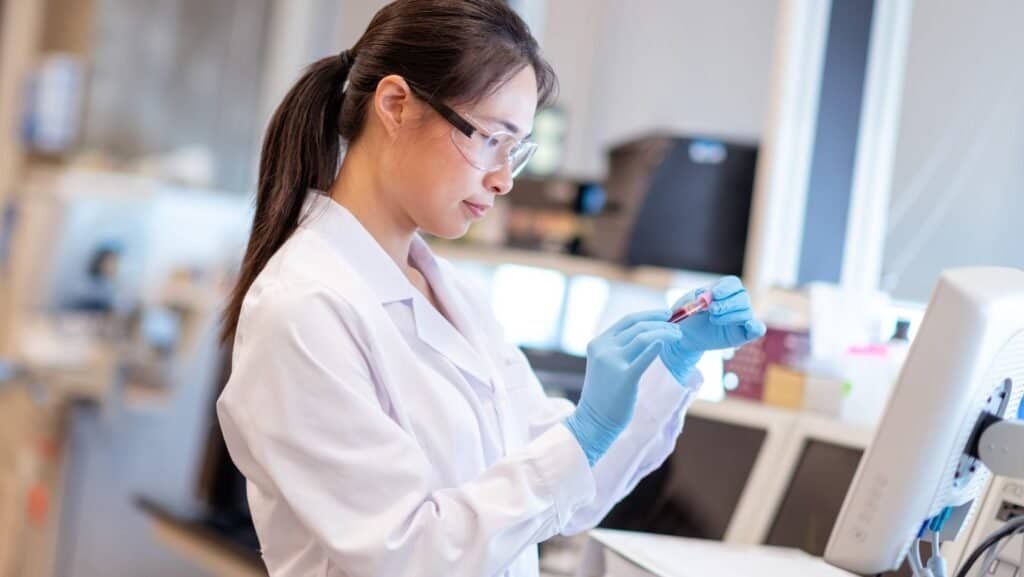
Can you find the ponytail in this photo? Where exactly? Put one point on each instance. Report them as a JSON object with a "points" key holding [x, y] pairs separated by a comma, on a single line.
{"points": [[300, 151]]}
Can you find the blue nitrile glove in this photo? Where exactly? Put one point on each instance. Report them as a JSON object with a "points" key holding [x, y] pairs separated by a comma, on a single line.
{"points": [[729, 322], [616, 359]]}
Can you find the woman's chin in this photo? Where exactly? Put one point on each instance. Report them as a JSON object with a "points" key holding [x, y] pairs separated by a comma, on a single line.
{"points": [[449, 230]]}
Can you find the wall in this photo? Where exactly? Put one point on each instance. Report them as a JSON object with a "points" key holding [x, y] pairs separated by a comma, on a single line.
{"points": [[170, 74], [958, 178], [681, 65], [629, 67], [354, 16], [298, 34]]}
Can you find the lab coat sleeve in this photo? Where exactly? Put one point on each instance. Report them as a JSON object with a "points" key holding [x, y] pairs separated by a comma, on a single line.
{"points": [[302, 419], [645, 444]]}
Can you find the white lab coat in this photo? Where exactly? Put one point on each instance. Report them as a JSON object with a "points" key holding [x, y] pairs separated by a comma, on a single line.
{"points": [[378, 440]]}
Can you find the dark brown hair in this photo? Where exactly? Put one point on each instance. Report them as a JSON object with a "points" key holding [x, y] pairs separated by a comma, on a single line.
{"points": [[457, 51]]}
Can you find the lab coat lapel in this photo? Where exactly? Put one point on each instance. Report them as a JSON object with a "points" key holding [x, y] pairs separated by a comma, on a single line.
{"points": [[459, 343], [344, 231], [438, 274], [484, 344]]}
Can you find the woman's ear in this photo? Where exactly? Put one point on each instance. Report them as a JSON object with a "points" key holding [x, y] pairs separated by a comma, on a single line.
{"points": [[393, 104]]}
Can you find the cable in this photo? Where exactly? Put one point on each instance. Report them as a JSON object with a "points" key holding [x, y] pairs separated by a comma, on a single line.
{"points": [[1010, 528], [937, 563], [990, 556], [915, 561], [1021, 563], [995, 551]]}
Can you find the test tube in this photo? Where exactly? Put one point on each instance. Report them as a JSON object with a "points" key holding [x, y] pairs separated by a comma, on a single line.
{"points": [[690, 308]]}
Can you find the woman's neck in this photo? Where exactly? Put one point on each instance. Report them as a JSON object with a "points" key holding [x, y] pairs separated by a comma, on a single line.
{"points": [[358, 189]]}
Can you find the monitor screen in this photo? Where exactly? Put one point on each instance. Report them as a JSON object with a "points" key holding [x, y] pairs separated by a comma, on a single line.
{"points": [[814, 498], [695, 492], [695, 213]]}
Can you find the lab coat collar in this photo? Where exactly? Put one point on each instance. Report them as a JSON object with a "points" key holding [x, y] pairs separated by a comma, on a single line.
{"points": [[350, 238], [462, 343], [346, 234]]}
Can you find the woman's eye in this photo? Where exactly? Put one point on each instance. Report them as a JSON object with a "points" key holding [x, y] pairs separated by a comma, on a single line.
{"points": [[493, 142]]}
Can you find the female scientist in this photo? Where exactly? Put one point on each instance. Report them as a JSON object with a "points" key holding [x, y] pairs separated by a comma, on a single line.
{"points": [[384, 426]]}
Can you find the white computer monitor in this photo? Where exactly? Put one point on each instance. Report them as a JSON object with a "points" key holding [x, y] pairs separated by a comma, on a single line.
{"points": [[727, 450], [801, 500], [967, 359]]}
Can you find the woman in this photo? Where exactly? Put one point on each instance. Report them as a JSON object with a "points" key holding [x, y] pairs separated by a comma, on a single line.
{"points": [[384, 426]]}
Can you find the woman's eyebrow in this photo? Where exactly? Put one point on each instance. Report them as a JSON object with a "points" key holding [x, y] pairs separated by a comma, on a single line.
{"points": [[511, 127]]}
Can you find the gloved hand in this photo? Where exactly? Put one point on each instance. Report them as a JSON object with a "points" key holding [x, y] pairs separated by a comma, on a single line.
{"points": [[616, 359], [729, 322]]}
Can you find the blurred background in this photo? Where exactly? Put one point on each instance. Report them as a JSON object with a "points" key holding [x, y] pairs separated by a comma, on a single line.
{"points": [[836, 154]]}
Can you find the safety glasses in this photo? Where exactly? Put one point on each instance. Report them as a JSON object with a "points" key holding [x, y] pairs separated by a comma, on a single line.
{"points": [[486, 151]]}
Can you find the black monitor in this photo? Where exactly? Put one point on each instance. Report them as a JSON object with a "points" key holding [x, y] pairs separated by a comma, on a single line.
{"points": [[814, 496], [696, 211], [695, 492]]}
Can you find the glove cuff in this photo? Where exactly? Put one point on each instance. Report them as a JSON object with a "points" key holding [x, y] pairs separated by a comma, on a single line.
{"points": [[682, 366], [594, 435]]}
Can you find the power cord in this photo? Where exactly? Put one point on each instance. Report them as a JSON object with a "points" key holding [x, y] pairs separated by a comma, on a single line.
{"points": [[1011, 528], [937, 563], [915, 561]]}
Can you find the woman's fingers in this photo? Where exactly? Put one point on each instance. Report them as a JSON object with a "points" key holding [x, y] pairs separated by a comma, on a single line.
{"points": [[644, 360], [626, 336], [639, 344], [736, 302], [634, 318], [755, 329], [726, 287], [734, 318]]}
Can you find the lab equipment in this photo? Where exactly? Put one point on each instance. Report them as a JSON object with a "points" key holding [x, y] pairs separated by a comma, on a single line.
{"points": [[616, 359], [682, 203], [102, 240], [690, 308], [813, 474], [80, 243], [965, 369], [696, 493], [814, 497], [700, 198]]}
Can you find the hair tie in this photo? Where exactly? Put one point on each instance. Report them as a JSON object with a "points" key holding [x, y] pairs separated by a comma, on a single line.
{"points": [[346, 57]]}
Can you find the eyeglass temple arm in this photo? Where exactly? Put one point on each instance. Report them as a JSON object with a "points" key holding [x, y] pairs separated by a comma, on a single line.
{"points": [[445, 111]]}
